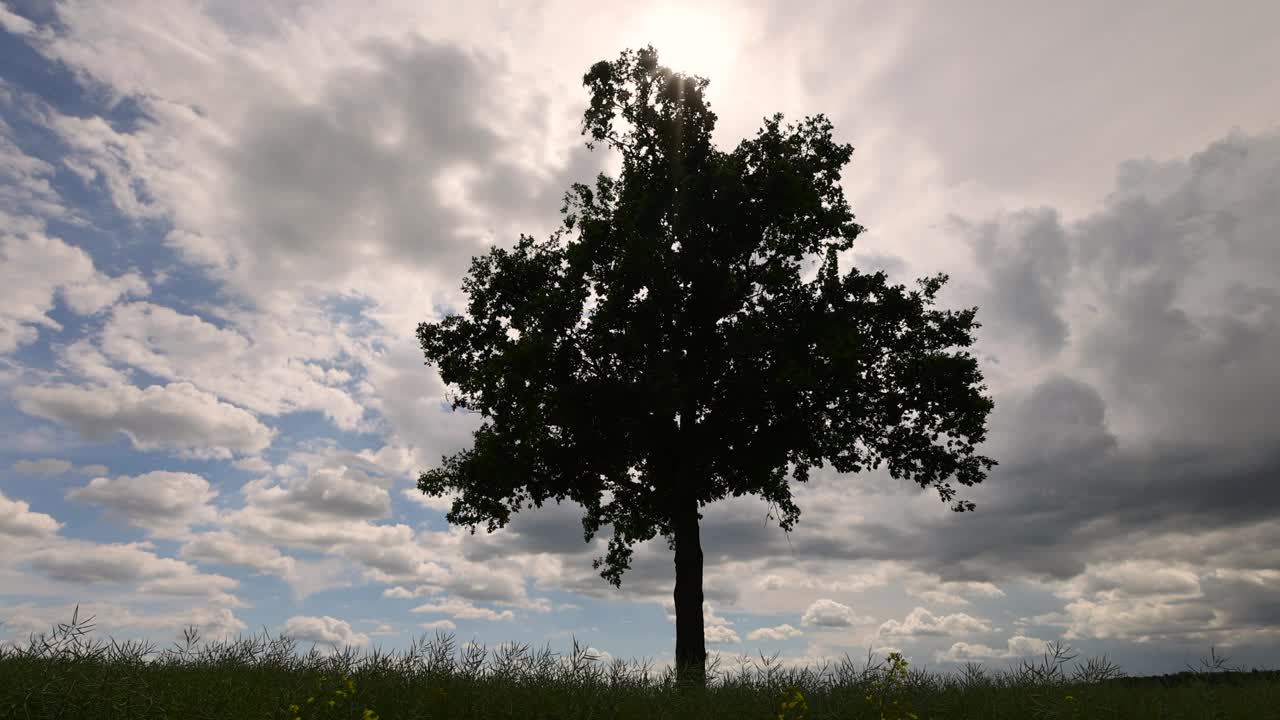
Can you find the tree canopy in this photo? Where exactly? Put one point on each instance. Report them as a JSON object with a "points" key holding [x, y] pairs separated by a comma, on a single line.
{"points": [[660, 351]]}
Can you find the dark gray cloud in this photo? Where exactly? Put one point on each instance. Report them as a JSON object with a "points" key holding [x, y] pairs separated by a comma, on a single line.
{"points": [[1187, 278], [1025, 258], [1058, 420]]}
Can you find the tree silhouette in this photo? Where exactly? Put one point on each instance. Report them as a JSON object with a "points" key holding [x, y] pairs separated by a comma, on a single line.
{"points": [[706, 367]]}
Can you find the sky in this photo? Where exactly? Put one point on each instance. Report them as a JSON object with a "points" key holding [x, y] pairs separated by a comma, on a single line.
{"points": [[220, 224]]}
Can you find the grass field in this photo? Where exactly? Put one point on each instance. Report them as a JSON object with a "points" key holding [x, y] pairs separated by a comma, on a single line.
{"points": [[62, 675]]}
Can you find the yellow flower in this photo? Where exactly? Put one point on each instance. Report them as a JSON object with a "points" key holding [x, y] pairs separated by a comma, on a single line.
{"points": [[369, 715], [330, 703], [311, 699], [293, 709]]}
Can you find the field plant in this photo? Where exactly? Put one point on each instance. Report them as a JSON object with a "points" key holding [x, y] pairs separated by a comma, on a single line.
{"points": [[61, 675]]}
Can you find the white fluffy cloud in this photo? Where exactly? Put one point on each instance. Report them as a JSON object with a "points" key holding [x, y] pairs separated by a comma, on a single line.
{"points": [[26, 195], [782, 632], [226, 548], [33, 267], [111, 619], [826, 612], [86, 564], [17, 520], [165, 503], [463, 610], [922, 622], [438, 625], [325, 494], [83, 359], [1018, 646], [177, 417], [324, 630], [270, 374]]}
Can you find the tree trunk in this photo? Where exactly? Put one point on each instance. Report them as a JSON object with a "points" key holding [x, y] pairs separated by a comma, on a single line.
{"points": [[691, 650]]}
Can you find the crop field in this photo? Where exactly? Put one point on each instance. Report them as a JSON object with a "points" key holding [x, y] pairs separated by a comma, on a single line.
{"points": [[63, 675]]}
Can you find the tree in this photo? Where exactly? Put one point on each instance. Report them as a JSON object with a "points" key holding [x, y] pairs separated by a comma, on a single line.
{"points": [[706, 366]]}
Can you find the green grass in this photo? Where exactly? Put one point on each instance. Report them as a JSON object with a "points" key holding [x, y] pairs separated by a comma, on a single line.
{"points": [[63, 676]]}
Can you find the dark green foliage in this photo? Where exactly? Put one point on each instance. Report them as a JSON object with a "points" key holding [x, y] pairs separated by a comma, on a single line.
{"points": [[708, 367]]}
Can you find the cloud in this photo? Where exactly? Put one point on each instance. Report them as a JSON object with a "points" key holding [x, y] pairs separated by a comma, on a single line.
{"points": [[18, 521], [1245, 597], [329, 511], [1134, 578], [214, 624], [1058, 421], [1150, 424], [709, 619], [927, 588], [83, 359], [324, 630], [463, 610], [48, 466], [269, 374], [177, 417], [781, 632], [85, 564], [963, 113], [1026, 258], [922, 622], [317, 181], [1018, 646], [27, 197], [33, 267], [328, 508], [555, 528], [253, 464], [1143, 600], [327, 493], [381, 628], [14, 23], [825, 612], [1138, 619], [1189, 276], [721, 635], [226, 548], [410, 402], [165, 503]]}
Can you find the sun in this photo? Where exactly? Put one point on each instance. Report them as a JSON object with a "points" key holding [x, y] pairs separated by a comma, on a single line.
{"points": [[694, 40]]}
